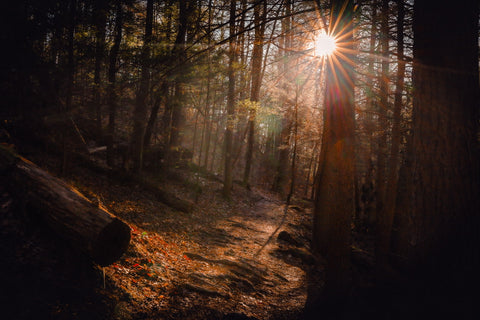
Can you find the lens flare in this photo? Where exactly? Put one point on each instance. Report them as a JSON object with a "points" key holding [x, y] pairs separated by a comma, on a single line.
{"points": [[324, 45]]}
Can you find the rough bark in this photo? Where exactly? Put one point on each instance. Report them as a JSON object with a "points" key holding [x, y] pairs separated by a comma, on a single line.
{"points": [[335, 203], [445, 135]]}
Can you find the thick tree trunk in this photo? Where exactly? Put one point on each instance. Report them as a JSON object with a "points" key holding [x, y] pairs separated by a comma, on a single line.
{"points": [[86, 226], [335, 203], [445, 135]]}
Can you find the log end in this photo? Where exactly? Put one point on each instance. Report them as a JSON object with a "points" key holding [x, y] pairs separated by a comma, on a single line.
{"points": [[111, 243]]}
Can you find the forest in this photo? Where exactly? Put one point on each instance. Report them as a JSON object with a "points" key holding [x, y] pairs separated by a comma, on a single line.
{"points": [[252, 159]]}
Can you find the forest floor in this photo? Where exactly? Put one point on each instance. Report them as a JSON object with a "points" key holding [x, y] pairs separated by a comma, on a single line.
{"points": [[215, 262], [218, 261]]}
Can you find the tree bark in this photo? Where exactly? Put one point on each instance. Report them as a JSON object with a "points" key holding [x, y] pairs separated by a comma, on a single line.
{"points": [[335, 203], [386, 217], [178, 54], [228, 177], [140, 112], [112, 77], [257, 58], [100, 24], [85, 225], [382, 127], [281, 174], [445, 135]]}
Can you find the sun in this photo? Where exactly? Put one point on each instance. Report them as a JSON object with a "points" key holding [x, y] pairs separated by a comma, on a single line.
{"points": [[324, 45]]}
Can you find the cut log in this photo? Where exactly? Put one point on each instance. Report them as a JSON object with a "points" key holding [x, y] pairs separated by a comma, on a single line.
{"points": [[86, 226]]}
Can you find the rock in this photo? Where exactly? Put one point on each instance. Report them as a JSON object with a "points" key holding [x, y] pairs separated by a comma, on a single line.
{"points": [[287, 237]]}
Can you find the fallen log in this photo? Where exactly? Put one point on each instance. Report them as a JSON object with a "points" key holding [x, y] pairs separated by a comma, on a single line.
{"points": [[86, 226]]}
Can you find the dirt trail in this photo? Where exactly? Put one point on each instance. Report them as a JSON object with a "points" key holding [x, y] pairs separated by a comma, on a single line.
{"points": [[198, 265], [206, 265]]}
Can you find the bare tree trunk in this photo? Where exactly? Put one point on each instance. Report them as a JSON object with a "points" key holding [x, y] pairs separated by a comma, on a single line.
{"points": [[382, 127], [335, 203], [215, 144], [178, 54], [112, 73], [100, 25], [445, 139], [369, 214], [281, 174], [140, 112], [208, 139], [228, 178], [159, 99], [386, 217], [294, 152], [70, 77], [257, 58]]}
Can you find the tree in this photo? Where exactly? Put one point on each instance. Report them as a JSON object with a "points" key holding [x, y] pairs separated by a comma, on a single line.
{"points": [[281, 174], [445, 136], [382, 110], [140, 112], [178, 55], [257, 57], [227, 182], [100, 17], [386, 216], [334, 201], [112, 78]]}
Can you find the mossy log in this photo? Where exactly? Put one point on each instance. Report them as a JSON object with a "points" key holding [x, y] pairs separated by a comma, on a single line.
{"points": [[86, 226]]}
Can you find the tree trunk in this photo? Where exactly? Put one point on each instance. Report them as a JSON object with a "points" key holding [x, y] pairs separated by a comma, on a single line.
{"points": [[445, 136], [335, 203], [368, 216], [385, 218], [100, 24], [112, 77], [70, 77], [85, 225], [257, 58], [281, 174], [160, 97], [228, 178], [140, 112], [178, 54], [382, 127]]}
